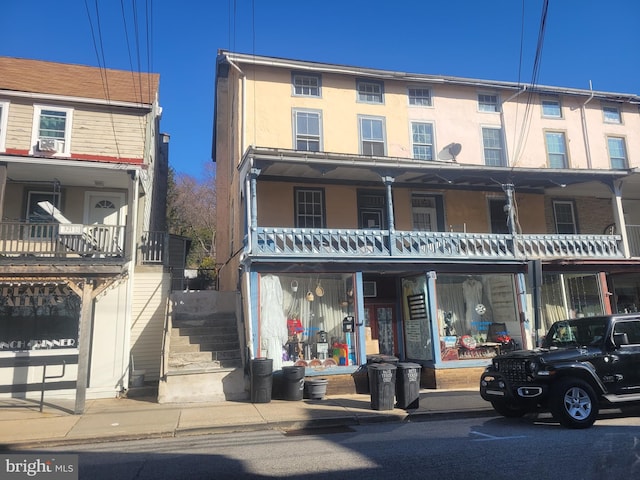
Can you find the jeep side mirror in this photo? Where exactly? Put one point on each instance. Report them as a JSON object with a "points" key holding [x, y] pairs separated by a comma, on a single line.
{"points": [[620, 339]]}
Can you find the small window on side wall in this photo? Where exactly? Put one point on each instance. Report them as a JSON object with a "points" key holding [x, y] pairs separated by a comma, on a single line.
{"points": [[488, 102], [611, 114], [551, 107]]}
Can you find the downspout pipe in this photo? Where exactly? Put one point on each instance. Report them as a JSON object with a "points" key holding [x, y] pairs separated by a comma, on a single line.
{"points": [[585, 132]]}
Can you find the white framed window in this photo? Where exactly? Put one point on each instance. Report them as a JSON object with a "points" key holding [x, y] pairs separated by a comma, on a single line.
{"points": [[420, 97], [564, 217], [4, 114], [551, 107], [372, 135], [422, 140], [488, 102], [611, 114], [617, 153], [370, 91], [306, 85], [52, 130], [309, 207], [493, 147], [307, 130], [556, 149]]}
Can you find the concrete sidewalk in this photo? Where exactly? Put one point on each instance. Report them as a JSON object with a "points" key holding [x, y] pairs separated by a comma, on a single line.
{"points": [[22, 425]]}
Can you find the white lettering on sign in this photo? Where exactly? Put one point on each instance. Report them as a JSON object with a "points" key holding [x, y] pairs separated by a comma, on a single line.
{"points": [[38, 344], [412, 374], [34, 296], [70, 229], [387, 375]]}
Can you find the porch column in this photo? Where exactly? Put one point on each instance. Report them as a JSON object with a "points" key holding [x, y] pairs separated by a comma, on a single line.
{"points": [[252, 206], [3, 186], [618, 215], [391, 221], [85, 291]]}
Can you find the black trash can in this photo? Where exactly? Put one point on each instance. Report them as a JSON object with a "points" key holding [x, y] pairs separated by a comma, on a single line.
{"points": [[261, 380], [361, 379], [380, 358], [293, 382], [382, 384], [408, 385]]}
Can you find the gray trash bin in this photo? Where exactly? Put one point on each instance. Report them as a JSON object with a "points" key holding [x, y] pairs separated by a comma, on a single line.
{"points": [[382, 384], [261, 380], [408, 385]]}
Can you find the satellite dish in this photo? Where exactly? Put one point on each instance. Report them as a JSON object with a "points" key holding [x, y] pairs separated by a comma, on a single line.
{"points": [[450, 152]]}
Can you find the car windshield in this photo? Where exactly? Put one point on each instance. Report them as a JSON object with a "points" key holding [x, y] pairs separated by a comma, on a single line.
{"points": [[579, 332]]}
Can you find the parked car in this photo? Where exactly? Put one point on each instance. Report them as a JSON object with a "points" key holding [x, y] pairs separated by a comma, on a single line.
{"points": [[583, 364]]}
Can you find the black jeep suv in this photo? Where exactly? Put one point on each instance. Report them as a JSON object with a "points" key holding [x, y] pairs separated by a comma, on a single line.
{"points": [[583, 363]]}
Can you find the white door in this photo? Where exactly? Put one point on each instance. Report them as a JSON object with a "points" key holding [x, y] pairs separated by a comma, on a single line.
{"points": [[106, 212]]}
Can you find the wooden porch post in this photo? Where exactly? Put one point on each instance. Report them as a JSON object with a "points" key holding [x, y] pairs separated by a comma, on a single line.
{"points": [[3, 186], [618, 215], [85, 292]]}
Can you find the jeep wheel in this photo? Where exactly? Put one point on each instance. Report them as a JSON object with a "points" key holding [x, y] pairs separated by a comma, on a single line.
{"points": [[509, 410], [573, 403]]}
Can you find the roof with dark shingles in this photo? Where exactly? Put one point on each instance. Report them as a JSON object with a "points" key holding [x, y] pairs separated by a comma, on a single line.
{"points": [[37, 76]]}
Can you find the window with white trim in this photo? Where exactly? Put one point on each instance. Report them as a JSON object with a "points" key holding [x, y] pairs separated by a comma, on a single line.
{"points": [[306, 85], [551, 107], [565, 217], [309, 208], [52, 130], [617, 153], [372, 135], [493, 147], [488, 102], [611, 114], [420, 97], [370, 91], [422, 139], [307, 130], [4, 113], [556, 149]]}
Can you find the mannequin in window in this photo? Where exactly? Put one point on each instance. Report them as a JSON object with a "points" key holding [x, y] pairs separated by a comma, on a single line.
{"points": [[472, 292]]}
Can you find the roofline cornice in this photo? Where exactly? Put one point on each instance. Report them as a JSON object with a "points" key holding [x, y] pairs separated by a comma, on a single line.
{"points": [[418, 78], [71, 99]]}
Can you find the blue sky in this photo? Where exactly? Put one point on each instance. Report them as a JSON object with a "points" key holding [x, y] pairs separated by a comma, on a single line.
{"points": [[586, 40]]}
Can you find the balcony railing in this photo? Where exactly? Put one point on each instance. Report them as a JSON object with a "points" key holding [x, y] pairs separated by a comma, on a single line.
{"points": [[382, 243], [24, 239]]}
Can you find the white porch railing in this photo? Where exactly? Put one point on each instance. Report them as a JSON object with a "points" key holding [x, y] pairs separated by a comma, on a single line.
{"points": [[382, 243]]}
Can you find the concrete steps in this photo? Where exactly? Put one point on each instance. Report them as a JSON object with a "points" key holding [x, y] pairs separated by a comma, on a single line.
{"points": [[204, 359]]}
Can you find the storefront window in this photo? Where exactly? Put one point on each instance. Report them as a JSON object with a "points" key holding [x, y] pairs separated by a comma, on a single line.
{"points": [[38, 317], [301, 320], [570, 296], [477, 316]]}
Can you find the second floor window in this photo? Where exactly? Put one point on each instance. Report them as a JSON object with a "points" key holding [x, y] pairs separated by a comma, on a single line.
{"points": [[420, 96], [52, 128], [422, 138], [4, 110], [306, 85], [564, 217], [488, 103], [372, 141], [617, 153], [493, 148], [556, 150], [307, 130], [309, 208], [370, 91]]}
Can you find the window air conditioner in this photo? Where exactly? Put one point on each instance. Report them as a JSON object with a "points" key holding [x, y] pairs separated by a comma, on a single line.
{"points": [[50, 145], [369, 289]]}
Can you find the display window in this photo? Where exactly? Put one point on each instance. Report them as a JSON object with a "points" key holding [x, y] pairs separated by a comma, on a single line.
{"points": [[38, 317], [477, 316], [307, 320], [570, 295]]}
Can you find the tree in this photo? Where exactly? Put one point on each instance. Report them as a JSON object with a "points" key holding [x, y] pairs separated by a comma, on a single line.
{"points": [[191, 213]]}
